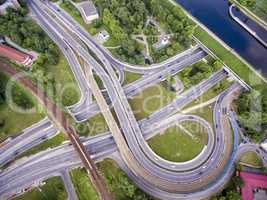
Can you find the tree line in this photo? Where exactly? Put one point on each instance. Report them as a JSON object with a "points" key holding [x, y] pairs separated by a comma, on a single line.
{"points": [[248, 3], [19, 96], [194, 74], [27, 34], [126, 17], [252, 112]]}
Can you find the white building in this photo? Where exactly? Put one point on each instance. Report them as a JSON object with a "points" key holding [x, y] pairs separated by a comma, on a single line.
{"points": [[2, 39], [8, 3], [103, 36], [163, 41], [88, 11], [264, 145]]}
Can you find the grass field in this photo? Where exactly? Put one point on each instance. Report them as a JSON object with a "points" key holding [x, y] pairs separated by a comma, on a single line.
{"points": [[175, 144], [66, 88], [252, 159], [211, 93], [150, 100], [63, 92], [50, 143], [121, 187], [205, 112], [15, 122], [53, 190], [260, 9], [93, 126], [112, 175], [197, 130], [239, 67], [83, 186], [131, 77]]}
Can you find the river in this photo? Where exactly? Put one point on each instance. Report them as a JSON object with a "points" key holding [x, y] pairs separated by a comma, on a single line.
{"points": [[214, 14]]}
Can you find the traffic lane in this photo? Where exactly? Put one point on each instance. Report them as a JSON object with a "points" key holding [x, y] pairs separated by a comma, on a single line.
{"points": [[33, 135], [69, 186], [141, 84], [89, 40], [122, 102]]}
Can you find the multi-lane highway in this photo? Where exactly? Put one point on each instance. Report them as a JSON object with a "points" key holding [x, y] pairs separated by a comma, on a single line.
{"points": [[145, 82], [135, 152], [78, 30], [57, 115], [60, 158], [156, 120], [51, 162], [28, 138], [83, 109], [143, 123]]}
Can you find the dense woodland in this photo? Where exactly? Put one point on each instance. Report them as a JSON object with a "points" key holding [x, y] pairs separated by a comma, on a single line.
{"points": [[200, 71], [27, 33], [123, 184], [125, 17], [252, 111]]}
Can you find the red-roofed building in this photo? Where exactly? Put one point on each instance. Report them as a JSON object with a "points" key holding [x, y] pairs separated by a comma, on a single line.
{"points": [[253, 183], [15, 55]]}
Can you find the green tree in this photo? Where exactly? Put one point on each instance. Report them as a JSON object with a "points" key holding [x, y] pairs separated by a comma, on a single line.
{"points": [[248, 3], [252, 111], [238, 181], [216, 65], [27, 33], [233, 195]]}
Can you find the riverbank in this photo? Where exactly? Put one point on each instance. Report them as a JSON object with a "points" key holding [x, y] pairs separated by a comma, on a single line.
{"points": [[250, 14], [228, 57], [226, 54], [245, 26]]}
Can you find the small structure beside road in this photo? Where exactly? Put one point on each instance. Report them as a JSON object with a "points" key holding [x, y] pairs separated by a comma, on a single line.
{"points": [[15, 55], [103, 36], [2, 39], [178, 85], [164, 38], [88, 11], [163, 41], [263, 145]]}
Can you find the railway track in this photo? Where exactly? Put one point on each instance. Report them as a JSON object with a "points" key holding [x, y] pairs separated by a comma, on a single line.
{"points": [[59, 118]]}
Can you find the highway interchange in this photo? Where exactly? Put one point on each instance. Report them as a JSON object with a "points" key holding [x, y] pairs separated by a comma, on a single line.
{"points": [[196, 179], [53, 161], [124, 113]]}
